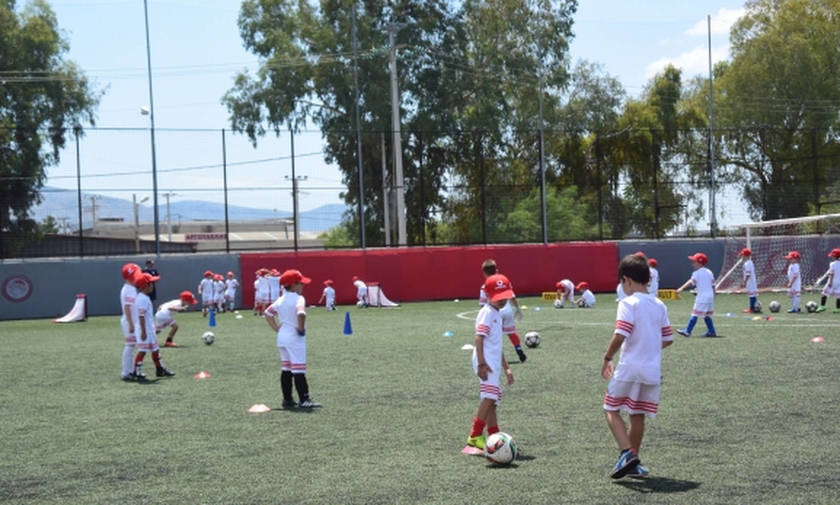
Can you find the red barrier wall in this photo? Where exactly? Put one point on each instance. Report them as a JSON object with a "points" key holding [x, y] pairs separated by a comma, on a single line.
{"points": [[441, 273]]}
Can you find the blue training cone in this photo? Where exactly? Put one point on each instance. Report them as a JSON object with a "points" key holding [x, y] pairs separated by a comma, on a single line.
{"points": [[348, 328], [212, 321]]}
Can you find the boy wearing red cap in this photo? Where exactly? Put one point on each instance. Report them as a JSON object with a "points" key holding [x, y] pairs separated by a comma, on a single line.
{"points": [[129, 321], [207, 292], [164, 317], [565, 293], [794, 284], [231, 285], [642, 330], [587, 298], [146, 335], [748, 280], [219, 292], [488, 360], [510, 311], [704, 304], [328, 295], [361, 291], [653, 287], [832, 284], [287, 317]]}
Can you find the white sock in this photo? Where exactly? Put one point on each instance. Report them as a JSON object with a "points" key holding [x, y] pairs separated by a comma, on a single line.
{"points": [[128, 359]]}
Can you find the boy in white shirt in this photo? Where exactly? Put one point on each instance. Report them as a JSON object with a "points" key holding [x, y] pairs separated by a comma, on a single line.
{"points": [[361, 291], [748, 280], [287, 317], [164, 317], [587, 298], [129, 321], [794, 284], [565, 293], [653, 287], [207, 290], [231, 284], [328, 295], [642, 330], [146, 335], [832, 284], [704, 304]]}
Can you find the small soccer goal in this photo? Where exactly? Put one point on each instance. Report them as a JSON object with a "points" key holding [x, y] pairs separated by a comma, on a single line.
{"points": [[770, 241]]}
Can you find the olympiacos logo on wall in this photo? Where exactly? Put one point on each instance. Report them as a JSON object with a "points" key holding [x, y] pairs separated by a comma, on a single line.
{"points": [[17, 288]]}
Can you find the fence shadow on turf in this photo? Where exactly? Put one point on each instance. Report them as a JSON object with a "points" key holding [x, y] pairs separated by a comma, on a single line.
{"points": [[659, 485]]}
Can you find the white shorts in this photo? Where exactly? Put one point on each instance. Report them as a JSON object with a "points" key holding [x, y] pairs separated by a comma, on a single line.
{"points": [[703, 309], [207, 298], [490, 388], [292, 353], [163, 320], [129, 338], [632, 397], [150, 344], [508, 322], [794, 292]]}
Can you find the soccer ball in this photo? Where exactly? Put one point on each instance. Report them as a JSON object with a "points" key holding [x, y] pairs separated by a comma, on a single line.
{"points": [[360, 304], [811, 306], [582, 303], [532, 339], [500, 448], [558, 304], [757, 306], [209, 337], [775, 306]]}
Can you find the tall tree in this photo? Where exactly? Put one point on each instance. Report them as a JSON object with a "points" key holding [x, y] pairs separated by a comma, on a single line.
{"points": [[42, 98], [779, 104]]}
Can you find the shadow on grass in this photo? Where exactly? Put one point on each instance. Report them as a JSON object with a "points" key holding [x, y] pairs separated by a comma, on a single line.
{"points": [[659, 485]]}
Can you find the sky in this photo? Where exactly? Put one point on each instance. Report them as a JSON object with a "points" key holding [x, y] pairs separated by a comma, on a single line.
{"points": [[196, 51]]}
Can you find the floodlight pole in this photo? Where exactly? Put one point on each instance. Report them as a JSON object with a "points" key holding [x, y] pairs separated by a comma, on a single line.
{"points": [[399, 182], [358, 130], [152, 130], [712, 210]]}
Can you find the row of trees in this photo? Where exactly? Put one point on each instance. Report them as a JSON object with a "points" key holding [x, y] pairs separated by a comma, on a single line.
{"points": [[474, 77], [481, 82]]}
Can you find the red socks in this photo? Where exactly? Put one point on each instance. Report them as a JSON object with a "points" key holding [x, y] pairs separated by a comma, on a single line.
{"points": [[477, 427], [514, 338], [156, 358], [492, 429]]}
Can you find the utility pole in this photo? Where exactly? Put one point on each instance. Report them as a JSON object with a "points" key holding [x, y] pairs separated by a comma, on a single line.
{"points": [[712, 211], [135, 205], [386, 221], [362, 241], [93, 199], [296, 205], [152, 130], [399, 183]]}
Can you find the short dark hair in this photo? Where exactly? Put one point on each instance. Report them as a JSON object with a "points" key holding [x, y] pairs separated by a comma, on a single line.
{"points": [[634, 267], [489, 267]]}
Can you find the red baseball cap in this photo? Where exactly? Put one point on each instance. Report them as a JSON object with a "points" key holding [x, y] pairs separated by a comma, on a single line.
{"points": [[639, 254], [745, 252], [652, 262], [793, 255], [218, 277], [130, 271], [355, 278], [328, 282], [835, 253], [498, 287], [560, 286], [188, 297], [699, 258], [290, 277], [208, 273], [144, 279], [274, 272], [230, 274], [582, 286]]}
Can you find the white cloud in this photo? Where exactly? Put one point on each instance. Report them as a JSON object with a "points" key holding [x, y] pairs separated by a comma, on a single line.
{"points": [[693, 62], [721, 22]]}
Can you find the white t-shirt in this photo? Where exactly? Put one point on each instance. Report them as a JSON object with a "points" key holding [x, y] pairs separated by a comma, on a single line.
{"points": [[653, 287], [286, 309], [704, 280], [329, 296], [482, 297], [794, 277], [588, 298], [834, 268], [619, 293], [750, 281], [262, 288], [230, 287], [488, 324], [207, 290], [128, 296], [642, 320], [361, 289], [274, 291], [144, 308], [164, 316], [569, 292]]}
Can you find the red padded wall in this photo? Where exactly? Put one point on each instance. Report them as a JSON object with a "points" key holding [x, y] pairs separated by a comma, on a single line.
{"points": [[440, 273]]}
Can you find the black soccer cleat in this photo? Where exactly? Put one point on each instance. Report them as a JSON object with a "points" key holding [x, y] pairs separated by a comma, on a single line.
{"points": [[522, 356], [163, 372], [308, 404]]}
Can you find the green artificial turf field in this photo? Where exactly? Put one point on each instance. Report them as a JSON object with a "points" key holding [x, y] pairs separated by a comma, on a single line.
{"points": [[747, 418]]}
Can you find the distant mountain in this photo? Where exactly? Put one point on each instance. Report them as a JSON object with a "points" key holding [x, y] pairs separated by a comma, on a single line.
{"points": [[61, 203]]}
